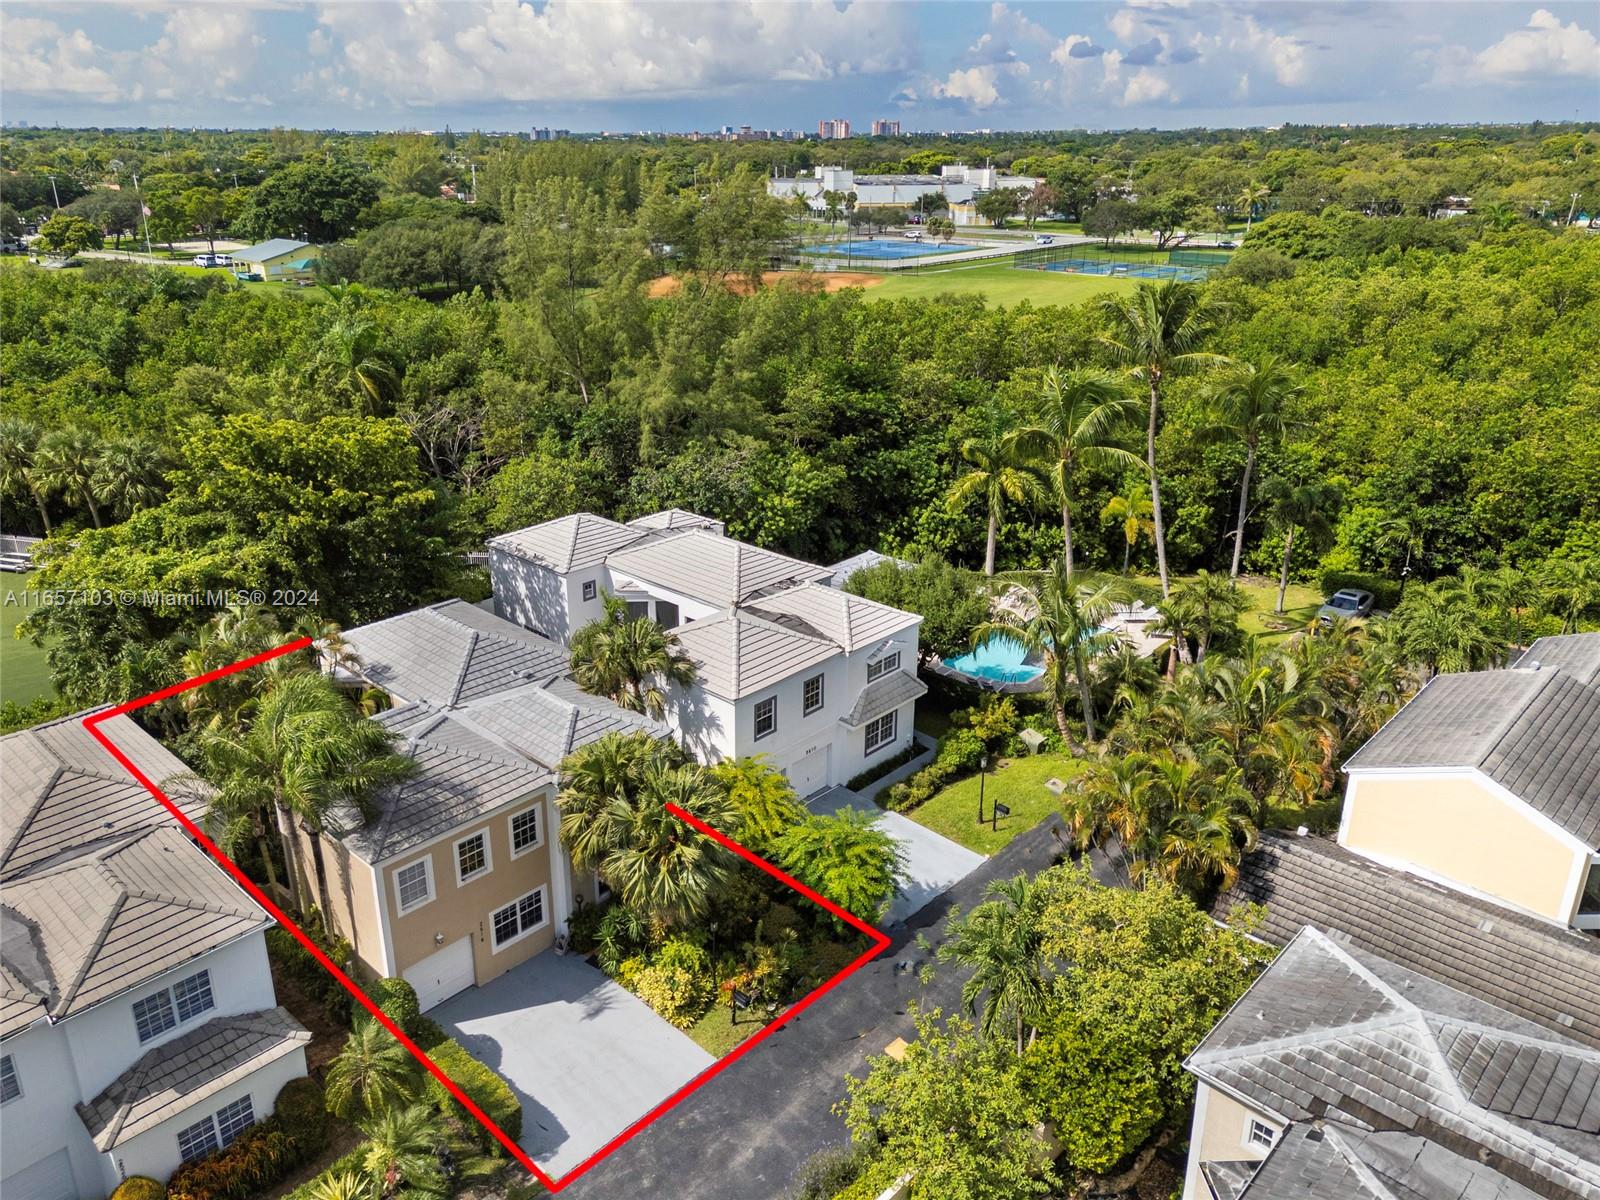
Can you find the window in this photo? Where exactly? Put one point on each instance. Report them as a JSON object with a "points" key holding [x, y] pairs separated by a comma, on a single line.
{"points": [[525, 831], [637, 609], [1259, 1134], [766, 716], [880, 733], [10, 1085], [153, 1015], [889, 662], [197, 1141], [234, 1119], [666, 614], [193, 995], [588, 589], [472, 857], [413, 885], [518, 919], [812, 700]]}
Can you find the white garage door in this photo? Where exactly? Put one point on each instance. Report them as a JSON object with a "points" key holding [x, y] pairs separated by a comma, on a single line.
{"points": [[810, 774], [441, 975], [48, 1179]]}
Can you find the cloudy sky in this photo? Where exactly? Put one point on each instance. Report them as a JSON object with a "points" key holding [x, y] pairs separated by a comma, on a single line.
{"points": [[656, 64]]}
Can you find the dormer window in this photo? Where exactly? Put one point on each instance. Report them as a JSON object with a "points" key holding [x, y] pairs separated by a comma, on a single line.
{"points": [[889, 662]]}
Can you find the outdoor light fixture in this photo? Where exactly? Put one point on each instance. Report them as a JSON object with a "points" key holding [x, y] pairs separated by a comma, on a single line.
{"points": [[983, 771], [438, 939]]}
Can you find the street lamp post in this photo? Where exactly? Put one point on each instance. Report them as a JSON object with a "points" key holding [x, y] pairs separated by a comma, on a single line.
{"points": [[983, 774]]}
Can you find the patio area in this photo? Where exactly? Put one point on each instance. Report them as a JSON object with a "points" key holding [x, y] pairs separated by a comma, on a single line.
{"points": [[586, 1057]]}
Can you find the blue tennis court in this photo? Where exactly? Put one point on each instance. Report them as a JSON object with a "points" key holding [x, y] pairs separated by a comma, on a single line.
{"points": [[883, 248], [1102, 266]]}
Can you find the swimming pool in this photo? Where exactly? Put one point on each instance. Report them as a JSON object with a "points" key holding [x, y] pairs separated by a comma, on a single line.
{"points": [[883, 248], [1002, 660]]}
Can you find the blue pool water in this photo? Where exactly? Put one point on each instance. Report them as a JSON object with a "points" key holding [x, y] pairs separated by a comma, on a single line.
{"points": [[1002, 660], [883, 248]]}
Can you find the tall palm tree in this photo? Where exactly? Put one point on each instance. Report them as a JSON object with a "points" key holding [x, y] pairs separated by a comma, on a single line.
{"points": [[66, 463], [352, 354], [402, 1151], [1249, 196], [1077, 419], [1570, 588], [1157, 333], [1001, 944], [1210, 605], [305, 753], [1062, 620], [1131, 509], [373, 1072], [629, 659], [1295, 506], [19, 450], [129, 474], [1250, 401], [1000, 472], [1438, 627]]}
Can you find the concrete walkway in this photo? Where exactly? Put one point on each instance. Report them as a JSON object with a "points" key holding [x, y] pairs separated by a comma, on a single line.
{"points": [[586, 1057], [933, 862]]}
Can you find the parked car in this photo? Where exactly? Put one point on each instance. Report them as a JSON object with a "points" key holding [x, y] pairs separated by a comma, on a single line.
{"points": [[1227, 245], [13, 245], [912, 235], [60, 264], [212, 260], [1347, 603], [1044, 239]]}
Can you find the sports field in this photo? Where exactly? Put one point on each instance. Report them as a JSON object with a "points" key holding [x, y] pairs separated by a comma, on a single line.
{"points": [[1000, 284], [24, 674]]}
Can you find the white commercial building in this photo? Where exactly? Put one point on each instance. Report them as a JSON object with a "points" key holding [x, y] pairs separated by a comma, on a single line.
{"points": [[957, 183]]}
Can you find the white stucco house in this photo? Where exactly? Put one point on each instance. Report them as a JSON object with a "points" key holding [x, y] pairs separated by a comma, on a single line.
{"points": [[137, 1020], [820, 682]]}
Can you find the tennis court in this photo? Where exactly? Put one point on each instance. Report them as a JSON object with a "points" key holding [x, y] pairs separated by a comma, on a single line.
{"points": [[1126, 270], [884, 248]]}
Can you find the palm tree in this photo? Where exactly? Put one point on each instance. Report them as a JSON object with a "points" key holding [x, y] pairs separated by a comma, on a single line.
{"points": [[1000, 472], [1295, 506], [402, 1151], [1077, 420], [345, 1185], [359, 368], [1571, 588], [235, 633], [1250, 402], [1130, 508], [1439, 628], [1210, 605], [1062, 621], [129, 474], [628, 659], [1157, 333], [1001, 944], [66, 463], [305, 752], [846, 857], [373, 1073], [1249, 196], [19, 449]]}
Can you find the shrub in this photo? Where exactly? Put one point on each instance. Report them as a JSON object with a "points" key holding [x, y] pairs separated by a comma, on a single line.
{"points": [[296, 963], [993, 720], [302, 1112], [961, 751], [889, 765], [255, 1160], [583, 928], [829, 1172], [140, 1187], [677, 983], [353, 1162], [429, 1033], [487, 1089], [1385, 592], [398, 1000]]}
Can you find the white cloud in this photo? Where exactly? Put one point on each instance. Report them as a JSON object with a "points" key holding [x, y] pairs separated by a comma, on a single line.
{"points": [[1543, 48], [974, 86], [40, 58], [1285, 55], [1146, 87]]}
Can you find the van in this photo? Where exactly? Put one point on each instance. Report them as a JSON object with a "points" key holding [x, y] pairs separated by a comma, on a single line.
{"points": [[212, 260]]}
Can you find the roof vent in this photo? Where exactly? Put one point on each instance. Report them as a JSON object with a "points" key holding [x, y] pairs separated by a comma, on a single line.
{"points": [[1534, 665], [1486, 925], [1565, 1019], [1301, 831]]}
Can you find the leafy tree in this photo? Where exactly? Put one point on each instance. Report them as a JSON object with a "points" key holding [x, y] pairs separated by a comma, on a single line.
{"points": [[1040, 201], [372, 1074], [845, 857], [415, 168], [1251, 401], [1000, 471], [128, 475], [1108, 220], [763, 798], [1000, 944], [999, 205], [1130, 509], [630, 659], [316, 201], [948, 599], [114, 213], [64, 235], [19, 449], [205, 209]]}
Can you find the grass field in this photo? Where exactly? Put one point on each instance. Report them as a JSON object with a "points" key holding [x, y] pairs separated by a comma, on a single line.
{"points": [[999, 285], [24, 675], [1018, 783]]}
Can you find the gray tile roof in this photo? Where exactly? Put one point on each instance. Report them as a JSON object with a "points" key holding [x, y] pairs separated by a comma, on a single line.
{"points": [[87, 928], [177, 1075], [1578, 654], [451, 653], [1306, 1164], [717, 570], [1330, 1033], [548, 723], [61, 791], [851, 621], [568, 543], [739, 653], [1535, 732], [844, 568], [883, 695], [677, 518], [1528, 967], [271, 248]]}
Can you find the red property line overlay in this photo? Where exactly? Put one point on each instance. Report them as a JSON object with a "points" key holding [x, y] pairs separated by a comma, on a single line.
{"points": [[879, 940]]}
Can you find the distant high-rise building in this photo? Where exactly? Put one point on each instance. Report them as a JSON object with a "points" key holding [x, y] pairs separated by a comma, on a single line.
{"points": [[835, 129], [550, 135], [882, 128]]}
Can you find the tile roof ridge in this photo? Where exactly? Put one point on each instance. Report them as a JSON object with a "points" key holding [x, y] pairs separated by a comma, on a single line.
{"points": [[1352, 1160], [1553, 677], [66, 995], [515, 758], [466, 665], [1550, 1041], [755, 617], [15, 838], [1271, 1047]]}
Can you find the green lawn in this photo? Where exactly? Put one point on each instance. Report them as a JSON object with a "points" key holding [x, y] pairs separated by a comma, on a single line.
{"points": [[999, 284], [1300, 604], [24, 675], [1017, 783], [716, 1035]]}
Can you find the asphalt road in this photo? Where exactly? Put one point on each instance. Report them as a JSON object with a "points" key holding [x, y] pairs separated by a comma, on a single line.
{"points": [[745, 1134]]}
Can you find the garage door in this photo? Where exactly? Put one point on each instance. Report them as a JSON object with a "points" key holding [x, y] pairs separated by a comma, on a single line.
{"points": [[48, 1179], [810, 774], [441, 975]]}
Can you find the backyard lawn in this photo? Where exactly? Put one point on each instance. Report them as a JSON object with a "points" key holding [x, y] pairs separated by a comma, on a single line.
{"points": [[24, 674], [1018, 783]]}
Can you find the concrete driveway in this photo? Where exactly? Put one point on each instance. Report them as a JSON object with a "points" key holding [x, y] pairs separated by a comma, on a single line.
{"points": [[586, 1057], [933, 862]]}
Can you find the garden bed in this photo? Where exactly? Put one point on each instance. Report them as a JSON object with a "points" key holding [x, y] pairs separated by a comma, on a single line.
{"points": [[1018, 783]]}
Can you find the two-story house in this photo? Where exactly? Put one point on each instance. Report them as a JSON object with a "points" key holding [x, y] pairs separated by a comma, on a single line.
{"points": [[461, 874], [138, 1026], [820, 682]]}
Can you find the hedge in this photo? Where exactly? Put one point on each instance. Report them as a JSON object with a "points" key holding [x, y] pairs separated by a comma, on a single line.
{"points": [[488, 1090], [398, 1000], [260, 1156], [878, 770], [1385, 592], [140, 1187], [959, 755]]}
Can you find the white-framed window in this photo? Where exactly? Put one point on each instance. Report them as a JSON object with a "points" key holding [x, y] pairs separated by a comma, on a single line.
{"points": [[233, 1119], [811, 695], [889, 662], [588, 589], [666, 614], [472, 857], [170, 1007], [880, 733], [1258, 1135], [10, 1085], [766, 716], [198, 1140], [413, 885], [638, 610], [526, 830], [517, 920]]}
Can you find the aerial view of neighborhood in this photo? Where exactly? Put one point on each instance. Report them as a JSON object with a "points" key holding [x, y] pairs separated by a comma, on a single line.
{"points": [[800, 600]]}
